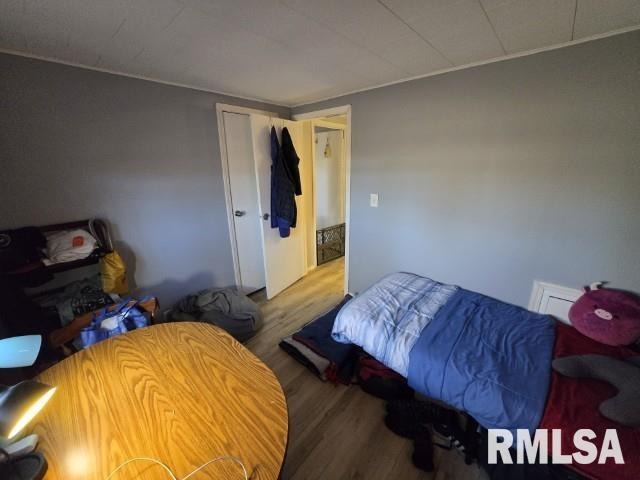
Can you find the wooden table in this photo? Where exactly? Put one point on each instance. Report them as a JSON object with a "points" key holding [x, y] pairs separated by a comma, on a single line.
{"points": [[183, 393]]}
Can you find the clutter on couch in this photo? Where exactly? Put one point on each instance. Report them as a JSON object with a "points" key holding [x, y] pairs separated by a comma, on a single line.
{"points": [[226, 308], [606, 315], [75, 298], [91, 321], [68, 246], [30, 257]]}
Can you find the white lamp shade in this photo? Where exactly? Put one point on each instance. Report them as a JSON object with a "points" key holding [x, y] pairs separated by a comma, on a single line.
{"points": [[19, 351]]}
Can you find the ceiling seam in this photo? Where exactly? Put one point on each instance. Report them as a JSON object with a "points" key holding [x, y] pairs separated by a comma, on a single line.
{"points": [[119, 27], [510, 56], [504, 50], [174, 18], [424, 39], [314, 20], [83, 66], [573, 24]]}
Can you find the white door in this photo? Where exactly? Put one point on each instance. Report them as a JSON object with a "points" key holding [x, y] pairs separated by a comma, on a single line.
{"points": [[284, 258], [244, 200]]}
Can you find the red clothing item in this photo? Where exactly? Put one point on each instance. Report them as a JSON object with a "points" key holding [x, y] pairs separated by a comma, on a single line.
{"points": [[573, 404]]}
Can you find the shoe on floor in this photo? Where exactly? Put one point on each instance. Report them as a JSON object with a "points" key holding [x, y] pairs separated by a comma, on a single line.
{"points": [[405, 426], [447, 434], [419, 411], [422, 456]]}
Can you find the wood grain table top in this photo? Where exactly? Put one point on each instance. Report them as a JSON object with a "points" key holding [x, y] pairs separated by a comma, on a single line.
{"points": [[182, 393]]}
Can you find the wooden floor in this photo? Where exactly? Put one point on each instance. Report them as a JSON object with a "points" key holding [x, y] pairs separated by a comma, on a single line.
{"points": [[335, 432]]}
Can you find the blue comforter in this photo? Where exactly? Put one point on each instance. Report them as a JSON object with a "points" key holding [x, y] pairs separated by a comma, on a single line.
{"points": [[477, 354]]}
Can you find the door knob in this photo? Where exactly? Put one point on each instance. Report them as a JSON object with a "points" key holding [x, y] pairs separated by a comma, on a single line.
{"points": [[265, 216], [239, 213]]}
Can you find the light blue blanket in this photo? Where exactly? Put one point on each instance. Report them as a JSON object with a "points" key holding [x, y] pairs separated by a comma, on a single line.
{"points": [[387, 318]]}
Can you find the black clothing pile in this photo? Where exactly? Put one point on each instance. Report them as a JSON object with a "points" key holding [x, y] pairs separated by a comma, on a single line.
{"points": [[21, 255], [429, 425]]}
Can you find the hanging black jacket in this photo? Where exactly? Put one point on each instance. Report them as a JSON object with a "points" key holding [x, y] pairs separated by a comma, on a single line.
{"points": [[283, 202], [291, 161]]}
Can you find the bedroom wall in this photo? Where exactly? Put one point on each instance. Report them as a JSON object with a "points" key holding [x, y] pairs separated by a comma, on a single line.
{"points": [[77, 143], [497, 175]]}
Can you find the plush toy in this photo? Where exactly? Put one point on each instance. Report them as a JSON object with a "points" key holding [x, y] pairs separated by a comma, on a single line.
{"points": [[608, 316], [624, 375]]}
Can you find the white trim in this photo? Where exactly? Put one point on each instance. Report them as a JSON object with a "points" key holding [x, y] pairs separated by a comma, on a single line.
{"points": [[350, 92], [511, 56], [543, 291], [224, 160], [330, 112], [325, 112], [138, 77], [329, 125]]}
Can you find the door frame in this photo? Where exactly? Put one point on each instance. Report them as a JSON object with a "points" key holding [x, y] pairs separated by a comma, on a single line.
{"points": [[221, 108], [332, 112], [314, 205]]}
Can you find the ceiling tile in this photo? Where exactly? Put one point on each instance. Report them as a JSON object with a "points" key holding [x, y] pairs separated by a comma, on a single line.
{"points": [[599, 16], [525, 25], [293, 51], [459, 29], [413, 55]]}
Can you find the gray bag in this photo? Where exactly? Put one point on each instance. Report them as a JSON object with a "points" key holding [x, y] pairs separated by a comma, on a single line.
{"points": [[225, 308]]}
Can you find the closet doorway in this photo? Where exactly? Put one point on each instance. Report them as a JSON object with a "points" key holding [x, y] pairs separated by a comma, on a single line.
{"points": [[243, 212]]}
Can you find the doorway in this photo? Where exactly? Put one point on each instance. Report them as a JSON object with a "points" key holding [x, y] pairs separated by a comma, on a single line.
{"points": [[262, 258], [338, 120], [329, 187]]}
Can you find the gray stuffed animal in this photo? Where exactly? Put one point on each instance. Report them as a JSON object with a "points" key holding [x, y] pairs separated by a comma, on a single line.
{"points": [[624, 408]]}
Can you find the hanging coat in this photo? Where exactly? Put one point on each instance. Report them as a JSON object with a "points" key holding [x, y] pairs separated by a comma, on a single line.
{"points": [[283, 202], [291, 161]]}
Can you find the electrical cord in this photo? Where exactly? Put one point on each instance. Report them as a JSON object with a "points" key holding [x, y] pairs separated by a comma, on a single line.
{"points": [[173, 477]]}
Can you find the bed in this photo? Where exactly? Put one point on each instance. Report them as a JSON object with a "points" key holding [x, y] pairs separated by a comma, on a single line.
{"points": [[485, 357]]}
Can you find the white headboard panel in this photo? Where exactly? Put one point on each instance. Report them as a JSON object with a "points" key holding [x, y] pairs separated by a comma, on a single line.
{"points": [[552, 299]]}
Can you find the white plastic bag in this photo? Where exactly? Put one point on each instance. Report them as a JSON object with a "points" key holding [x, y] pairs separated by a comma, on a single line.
{"points": [[69, 245]]}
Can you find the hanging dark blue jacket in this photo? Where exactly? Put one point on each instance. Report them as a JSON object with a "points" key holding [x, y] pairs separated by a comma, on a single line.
{"points": [[283, 202]]}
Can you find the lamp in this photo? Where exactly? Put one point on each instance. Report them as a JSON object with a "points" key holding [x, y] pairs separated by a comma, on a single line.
{"points": [[19, 351], [18, 405]]}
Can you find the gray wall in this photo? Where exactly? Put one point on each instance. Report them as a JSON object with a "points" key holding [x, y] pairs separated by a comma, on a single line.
{"points": [[494, 176], [76, 143]]}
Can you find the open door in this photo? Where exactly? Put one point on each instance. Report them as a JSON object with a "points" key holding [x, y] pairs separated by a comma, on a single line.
{"points": [[285, 259]]}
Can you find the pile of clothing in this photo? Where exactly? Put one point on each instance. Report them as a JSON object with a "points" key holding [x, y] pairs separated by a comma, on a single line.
{"points": [[226, 308], [75, 299], [25, 252], [313, 347]]}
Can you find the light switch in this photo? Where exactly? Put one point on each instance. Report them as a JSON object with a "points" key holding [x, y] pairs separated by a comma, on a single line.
{"points": [[373, 200]]}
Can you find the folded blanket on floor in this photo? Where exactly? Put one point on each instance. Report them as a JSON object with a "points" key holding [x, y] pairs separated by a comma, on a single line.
{"points": [[314, 347]]}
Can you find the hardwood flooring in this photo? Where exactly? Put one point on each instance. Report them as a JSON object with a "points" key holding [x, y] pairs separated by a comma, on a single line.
{"points": [[335, 432]]}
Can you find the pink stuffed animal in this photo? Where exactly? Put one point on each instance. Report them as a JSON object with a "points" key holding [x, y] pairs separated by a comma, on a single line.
{"points": [[608, 316]]}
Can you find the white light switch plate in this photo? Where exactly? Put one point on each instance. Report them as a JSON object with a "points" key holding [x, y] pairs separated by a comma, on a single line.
{"points": [[373, 200]]}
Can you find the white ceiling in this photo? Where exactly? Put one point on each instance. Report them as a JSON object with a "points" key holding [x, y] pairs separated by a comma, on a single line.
{"points": [[297, 51]]}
